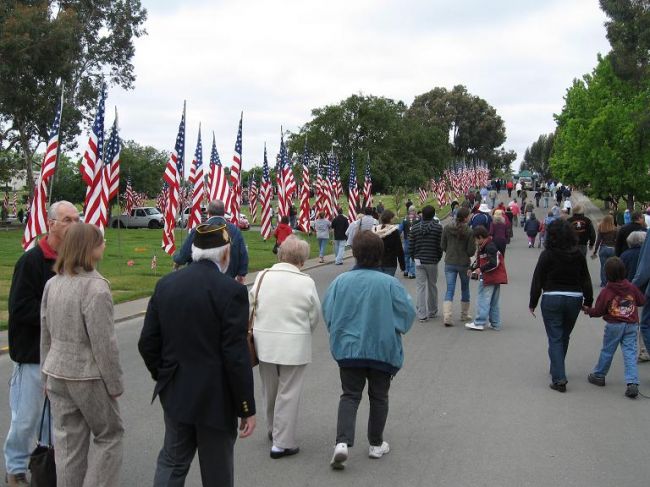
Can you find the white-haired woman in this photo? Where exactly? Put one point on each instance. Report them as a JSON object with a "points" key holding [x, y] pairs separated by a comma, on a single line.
{"points": [[287, 310]]}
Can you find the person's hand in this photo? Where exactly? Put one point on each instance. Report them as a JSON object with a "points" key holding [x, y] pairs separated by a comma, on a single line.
{"points": [[246, 426], [240, 279], [532, 312], [585, 309], [469, 272]]}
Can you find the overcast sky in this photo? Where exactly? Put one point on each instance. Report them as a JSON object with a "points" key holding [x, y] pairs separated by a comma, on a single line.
{"points": [[277, 61]]}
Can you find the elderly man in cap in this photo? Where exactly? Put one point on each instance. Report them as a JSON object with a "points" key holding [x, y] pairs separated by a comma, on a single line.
{"points": [[194, 344], [238, 266], [32, 271]]}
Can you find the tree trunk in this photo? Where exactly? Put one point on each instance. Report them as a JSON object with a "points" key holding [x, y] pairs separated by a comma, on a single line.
{"points": [[630, 201], [28, 159]]}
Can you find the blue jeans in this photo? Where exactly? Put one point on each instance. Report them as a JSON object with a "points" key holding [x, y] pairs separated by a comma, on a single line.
{"points": [[625, 335], [604, 253], [545, 202], [451, 271], [322, 245], [26, 401], [487, 305], [389, 270], [409, 262], [560, 314], [339, 249]]}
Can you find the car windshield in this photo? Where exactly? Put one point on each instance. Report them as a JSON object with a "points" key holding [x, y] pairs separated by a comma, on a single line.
{"points": [[152, 211]]}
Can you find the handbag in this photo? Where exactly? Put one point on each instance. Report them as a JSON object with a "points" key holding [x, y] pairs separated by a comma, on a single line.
{"points": [[251, 321], [41, 461], [275, 247]]}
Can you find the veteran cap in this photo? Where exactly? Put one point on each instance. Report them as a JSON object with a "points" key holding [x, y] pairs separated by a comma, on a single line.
{"points": [[211, 236]]}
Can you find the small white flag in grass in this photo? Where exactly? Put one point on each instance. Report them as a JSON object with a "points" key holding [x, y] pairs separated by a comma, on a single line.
{"points": [[154, 263]]}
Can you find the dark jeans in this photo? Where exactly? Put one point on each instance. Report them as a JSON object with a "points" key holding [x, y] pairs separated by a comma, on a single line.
{"points": [[389, 270], [179, 447], [353, 380], [560, 314]]}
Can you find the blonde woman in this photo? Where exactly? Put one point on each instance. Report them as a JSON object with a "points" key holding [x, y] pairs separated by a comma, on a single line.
{"points": [[80, 363], [605, 245]]}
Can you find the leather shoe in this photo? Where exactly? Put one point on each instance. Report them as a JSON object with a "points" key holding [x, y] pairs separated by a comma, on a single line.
{"points": [[287, 452]]}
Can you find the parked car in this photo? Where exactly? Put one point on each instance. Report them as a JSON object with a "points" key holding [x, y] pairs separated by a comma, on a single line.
{"points": [[141, 217], [526, 183], [185, 216]]}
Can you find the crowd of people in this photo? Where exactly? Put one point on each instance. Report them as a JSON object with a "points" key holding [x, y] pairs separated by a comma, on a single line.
{"points": [[62, 336]]}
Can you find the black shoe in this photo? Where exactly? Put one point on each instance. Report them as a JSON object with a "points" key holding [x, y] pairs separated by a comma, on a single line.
{"points": [[406, 274], [411, 277], [557, 386], [632, 391], [287, 452], [596, 380]]}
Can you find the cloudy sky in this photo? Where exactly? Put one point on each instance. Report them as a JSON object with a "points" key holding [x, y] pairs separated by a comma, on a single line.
{"points": [[277, 61]]}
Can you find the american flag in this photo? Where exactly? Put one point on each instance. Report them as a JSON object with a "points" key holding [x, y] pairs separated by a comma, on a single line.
{"points": [[5, 202], [266, 195], [161, 201], [129, 197], [235, 176], [92, 169], [441, 188], [198, 180], [319, 188], [303, 218], [282, 177], [111, 183], [252, 197], [326, 191], [353, 193], [37, 219], [367, 186], [423, 195], [291, 185], [334, 198], [337, 182], [14, 203], [172, 176], [218, 183]]}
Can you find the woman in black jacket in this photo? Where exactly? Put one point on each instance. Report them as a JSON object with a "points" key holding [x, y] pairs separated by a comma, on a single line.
{"points": [[562, 276], [393, 251]]}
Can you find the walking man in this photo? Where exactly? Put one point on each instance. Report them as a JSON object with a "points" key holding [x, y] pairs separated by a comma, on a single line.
{"points": [[424, 246], [202, 369], [339, 225], [32, 271]]}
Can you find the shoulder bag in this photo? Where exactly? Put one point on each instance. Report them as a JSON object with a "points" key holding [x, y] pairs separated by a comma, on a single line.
{"points": [[251, 322]]}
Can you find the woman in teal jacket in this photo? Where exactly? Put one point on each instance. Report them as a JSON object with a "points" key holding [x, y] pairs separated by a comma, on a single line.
{"points": [[366, 313]]}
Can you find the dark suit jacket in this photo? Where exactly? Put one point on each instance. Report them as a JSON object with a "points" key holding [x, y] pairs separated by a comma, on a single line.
{"points": [[194, 344]]}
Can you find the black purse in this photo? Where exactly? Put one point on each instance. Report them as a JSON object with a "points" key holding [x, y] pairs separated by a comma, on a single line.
{"points": [[41, 461]]}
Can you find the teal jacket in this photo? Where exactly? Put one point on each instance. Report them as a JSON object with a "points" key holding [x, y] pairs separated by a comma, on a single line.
{"points": [[366, 313]]}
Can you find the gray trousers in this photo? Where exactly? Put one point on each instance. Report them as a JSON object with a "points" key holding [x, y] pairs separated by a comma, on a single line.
{"points": [[80, 408], [215, 447], [281, 391], [426, 276], [353, 380]]}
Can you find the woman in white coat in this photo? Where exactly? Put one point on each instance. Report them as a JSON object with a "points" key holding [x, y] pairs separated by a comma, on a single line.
{"points": [[287, 310]]}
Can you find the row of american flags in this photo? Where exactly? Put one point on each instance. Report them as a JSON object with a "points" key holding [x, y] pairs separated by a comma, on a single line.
{"points": [[100, 171]]}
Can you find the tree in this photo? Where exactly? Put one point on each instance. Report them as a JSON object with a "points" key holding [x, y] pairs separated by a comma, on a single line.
{"points": [[10, 164], [79, 42], [628, 32], [537, 156], [602, 139], [145, 166], [475, 128], [67, 184]]}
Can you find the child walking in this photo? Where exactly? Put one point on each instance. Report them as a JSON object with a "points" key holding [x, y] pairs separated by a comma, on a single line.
{"points": [[490, 269], [531, 227], [618, 304]]}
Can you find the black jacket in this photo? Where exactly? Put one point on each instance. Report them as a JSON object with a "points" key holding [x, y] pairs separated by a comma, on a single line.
{"points": [[393, 250], [584, 229], [31, 272], [561, 270], [623, 233], [424, 241], [340, 225], [194, 344]]}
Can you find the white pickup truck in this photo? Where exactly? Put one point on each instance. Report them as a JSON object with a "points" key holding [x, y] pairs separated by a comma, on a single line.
{"points": [[142, 217]]}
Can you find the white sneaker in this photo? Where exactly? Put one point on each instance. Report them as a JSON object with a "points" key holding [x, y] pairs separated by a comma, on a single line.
{"points": [[474, 326], [340, 456], [378, 451]]}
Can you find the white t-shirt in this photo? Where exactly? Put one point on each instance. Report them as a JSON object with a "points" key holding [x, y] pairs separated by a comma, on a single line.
{"points": [[567, 204]]}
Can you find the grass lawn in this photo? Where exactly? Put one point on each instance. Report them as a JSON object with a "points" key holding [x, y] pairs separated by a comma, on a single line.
{"points": [[127, 260]]}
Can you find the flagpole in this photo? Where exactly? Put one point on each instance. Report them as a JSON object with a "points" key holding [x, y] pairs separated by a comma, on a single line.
{"points": [[180, 186], [58, 149]]}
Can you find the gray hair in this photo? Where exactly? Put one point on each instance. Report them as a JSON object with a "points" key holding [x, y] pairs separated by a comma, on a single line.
{"points": [[53, 212], [215, 255], [636, 239], [293, 251], [216, 208]]}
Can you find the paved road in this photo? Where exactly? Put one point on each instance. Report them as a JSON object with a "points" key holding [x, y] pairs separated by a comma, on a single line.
{"points": [[468, 409]]}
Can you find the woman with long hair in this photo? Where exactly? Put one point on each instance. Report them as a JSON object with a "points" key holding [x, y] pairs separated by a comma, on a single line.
{"points": [[80, 363], [501, 231], [605, 244], [393, 251], [458, 244], [562, 280]]}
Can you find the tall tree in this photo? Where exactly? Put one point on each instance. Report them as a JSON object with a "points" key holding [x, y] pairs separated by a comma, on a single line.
{"points": [[79, 42], [144, 165], [537, 157], [475, 129], [602, 139]]}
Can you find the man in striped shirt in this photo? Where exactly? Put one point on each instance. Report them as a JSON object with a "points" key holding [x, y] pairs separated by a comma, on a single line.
{"points": [[424, 246]]}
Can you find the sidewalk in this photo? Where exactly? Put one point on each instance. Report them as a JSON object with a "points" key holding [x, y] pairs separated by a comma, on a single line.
{"points": [[135, 309]]}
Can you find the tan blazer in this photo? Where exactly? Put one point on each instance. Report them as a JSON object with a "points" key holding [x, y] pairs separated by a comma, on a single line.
{"points": [[78, 339]]}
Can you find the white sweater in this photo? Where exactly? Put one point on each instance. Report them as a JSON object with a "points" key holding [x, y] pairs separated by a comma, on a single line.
{"points": [[288, 310]]}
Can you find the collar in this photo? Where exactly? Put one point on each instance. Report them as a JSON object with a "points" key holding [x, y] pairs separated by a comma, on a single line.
{"points": [[357, 267], [48, 251]]}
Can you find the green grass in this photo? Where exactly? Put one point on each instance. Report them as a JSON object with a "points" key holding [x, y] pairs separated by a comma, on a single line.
{"points": [[127, 260]]}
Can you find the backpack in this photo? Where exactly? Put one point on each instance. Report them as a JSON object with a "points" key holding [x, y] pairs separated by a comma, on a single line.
{"points": [[480, 219]]}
